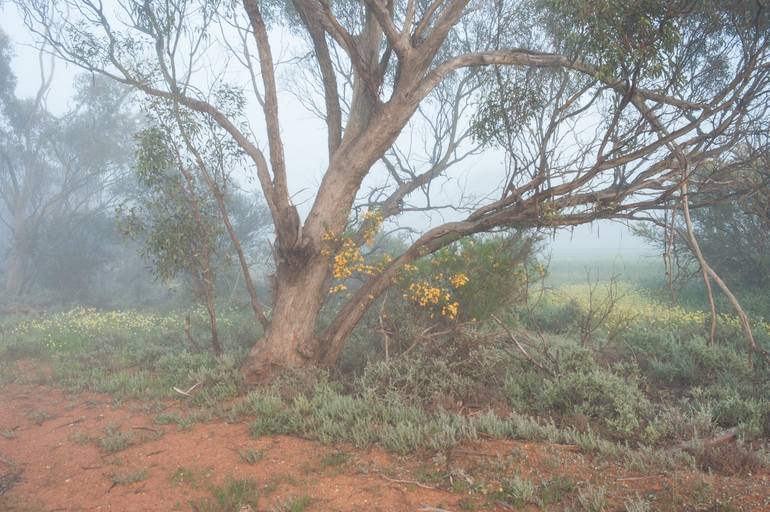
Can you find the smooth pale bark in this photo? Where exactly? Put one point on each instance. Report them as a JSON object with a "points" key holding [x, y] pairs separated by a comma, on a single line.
{"points": [[15, 273], [302, 279], [18, 258], [290, 341]]}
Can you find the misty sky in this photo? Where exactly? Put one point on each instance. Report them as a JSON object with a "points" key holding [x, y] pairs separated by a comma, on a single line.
{"points": [[305, 142]]}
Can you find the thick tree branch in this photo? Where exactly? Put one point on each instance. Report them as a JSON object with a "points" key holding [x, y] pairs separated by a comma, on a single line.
{"points": [[310, 15], [287, 222]]}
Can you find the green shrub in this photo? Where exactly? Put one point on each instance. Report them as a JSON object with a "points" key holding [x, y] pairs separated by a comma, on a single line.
{"points": [[467, 367], [419, 378], [673, 424], [693, 362], [272, 416], [593, 498], [582, 387], [598, 394], [235, 494], [730, 407], [516, 491], [115, 440], [251, 456]]}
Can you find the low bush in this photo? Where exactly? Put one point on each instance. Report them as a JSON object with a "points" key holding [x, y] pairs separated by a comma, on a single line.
{"points": [[235, 494], [598, 394], [582, 387]]}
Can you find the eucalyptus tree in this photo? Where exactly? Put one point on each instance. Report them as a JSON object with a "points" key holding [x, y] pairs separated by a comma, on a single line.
{"points": [[56, 167], [733, 235], [603, 110], [186, 209]]}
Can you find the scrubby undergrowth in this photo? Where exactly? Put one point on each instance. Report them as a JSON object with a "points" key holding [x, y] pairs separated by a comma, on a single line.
{"points": [[649, 395]]}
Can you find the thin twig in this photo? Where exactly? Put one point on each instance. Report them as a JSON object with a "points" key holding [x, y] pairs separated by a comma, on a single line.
{"points": [[71, 423]]}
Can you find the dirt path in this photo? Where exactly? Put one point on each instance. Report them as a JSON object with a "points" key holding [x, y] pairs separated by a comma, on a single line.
{"points": [[55, 456]]}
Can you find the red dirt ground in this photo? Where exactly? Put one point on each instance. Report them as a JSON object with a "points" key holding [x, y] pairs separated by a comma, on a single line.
{"points": [[48, 464]]}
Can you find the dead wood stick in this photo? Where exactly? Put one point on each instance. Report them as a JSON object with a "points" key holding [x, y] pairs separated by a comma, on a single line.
{"points": [[477, 453], [74, 422], [408, 482], [187, 393]]}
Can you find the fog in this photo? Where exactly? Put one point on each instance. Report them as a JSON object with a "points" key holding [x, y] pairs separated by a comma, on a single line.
{"points": [[349, 255], [306, 155]]}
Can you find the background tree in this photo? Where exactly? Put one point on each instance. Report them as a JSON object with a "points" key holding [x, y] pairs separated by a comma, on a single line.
{"points": [[176, 221], [733, 235], [607, 110], [57, 174], [182, 208]]}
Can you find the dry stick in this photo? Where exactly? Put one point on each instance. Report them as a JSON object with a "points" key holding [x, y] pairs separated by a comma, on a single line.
{"points": [[477, 453], [145, 428], [69, 424], [188, 391], [633, 478], [520, 347], [408, 482], [704, 266]]}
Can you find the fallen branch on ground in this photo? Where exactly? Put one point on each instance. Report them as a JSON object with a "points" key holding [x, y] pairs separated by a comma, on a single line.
{"points": [[190, 390], [408, 482]]}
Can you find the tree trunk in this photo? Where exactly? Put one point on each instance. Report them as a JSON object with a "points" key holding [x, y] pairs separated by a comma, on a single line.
{"points": [[290, 340], [15, 273], [212, 311], [18, 259]]}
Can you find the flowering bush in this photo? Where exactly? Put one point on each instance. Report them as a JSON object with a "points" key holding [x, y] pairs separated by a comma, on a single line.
{"points": [[472, 278], [345, 254]]}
